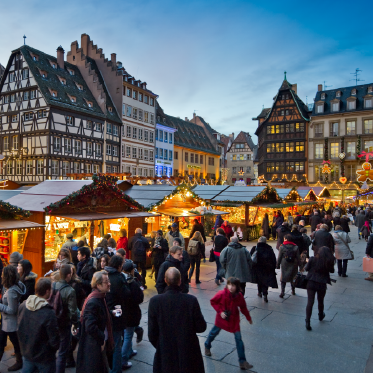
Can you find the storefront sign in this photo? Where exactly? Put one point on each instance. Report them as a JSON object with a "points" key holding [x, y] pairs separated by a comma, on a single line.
{"points": [[61, 225], [163, 163], [115, 227], [80, 224]]}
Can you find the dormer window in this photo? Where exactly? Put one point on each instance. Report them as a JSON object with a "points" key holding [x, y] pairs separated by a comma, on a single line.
{"points": [[72, 99], [320, 108], [334, 105], [80, 87], [323, 96], [62, 80], [89, 103], [34, 57], [71, 72], [43, 73], [370, 89], [368, 103], [338, 94], [125, 79], [110, 109], [353, 92], [53, 92], [351, 103]]}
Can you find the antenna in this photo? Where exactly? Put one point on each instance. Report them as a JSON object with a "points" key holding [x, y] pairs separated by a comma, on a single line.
{"points": [[326, 86], [24, 39], [356, 74], [306, 99]]}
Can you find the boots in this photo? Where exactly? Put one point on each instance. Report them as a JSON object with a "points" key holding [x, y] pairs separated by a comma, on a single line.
{"points": [[308, 325], [283, 285], [18, 365], [293, 290], [245, 365], [321, 317], [266, 298]]}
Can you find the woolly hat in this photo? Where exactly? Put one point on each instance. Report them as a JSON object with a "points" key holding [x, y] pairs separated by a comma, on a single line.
{"points": [[15, 258], [128, 266]]}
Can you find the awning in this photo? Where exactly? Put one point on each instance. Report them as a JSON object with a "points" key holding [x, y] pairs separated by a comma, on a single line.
{"points": [[275, 206], [306, 203], [18, 224], [107, 215], [177, 212]]}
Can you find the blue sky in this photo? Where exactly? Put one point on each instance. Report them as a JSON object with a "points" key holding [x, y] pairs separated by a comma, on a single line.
{"points": [[224, 59]]}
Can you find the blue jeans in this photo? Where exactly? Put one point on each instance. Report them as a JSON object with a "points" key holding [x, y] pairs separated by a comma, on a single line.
{"points": [[117, 353], [218, 266], [65, 337], [30, 366], [127, 344], [237, 336]]}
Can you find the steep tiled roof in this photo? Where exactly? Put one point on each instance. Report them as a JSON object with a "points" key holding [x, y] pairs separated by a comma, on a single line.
{"points": [[263, 113], [361, 92], [244, 137], [2, 69], [225, 140]]}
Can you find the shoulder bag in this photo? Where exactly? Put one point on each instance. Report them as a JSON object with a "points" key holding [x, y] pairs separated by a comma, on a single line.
{"points": [[351, 252]]}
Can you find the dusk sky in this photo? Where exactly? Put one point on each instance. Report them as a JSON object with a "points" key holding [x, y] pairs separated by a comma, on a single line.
{"points": [[224, 59]]}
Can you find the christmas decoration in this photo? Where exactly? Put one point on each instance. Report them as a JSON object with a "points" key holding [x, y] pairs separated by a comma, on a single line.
{"points": [[366, 173], [343, 179], [358, 146], [8, 211], [365, 186], [326, 169]]}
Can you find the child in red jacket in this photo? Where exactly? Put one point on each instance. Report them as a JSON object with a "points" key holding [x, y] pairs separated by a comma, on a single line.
{"points": [[226, 303]]}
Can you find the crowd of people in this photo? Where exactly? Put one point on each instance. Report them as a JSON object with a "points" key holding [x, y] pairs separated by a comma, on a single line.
{"points": [[92, 300]]}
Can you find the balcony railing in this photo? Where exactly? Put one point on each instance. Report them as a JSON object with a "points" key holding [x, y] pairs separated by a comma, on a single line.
{"points": [[319, 134]]}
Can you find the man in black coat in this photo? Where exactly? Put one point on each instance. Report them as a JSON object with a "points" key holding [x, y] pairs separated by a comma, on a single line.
{"points": [[174, 259], [360, 220], [281, 232], [139, 245], [198, 227], [38, 331], [344, 223], [174, 319], [315, 220], [323, 238], [369, 254], [297, 238], [85, 268]]}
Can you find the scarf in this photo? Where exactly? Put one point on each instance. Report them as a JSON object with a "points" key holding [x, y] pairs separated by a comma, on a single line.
{"points": [[96, 294], [157, 241]]}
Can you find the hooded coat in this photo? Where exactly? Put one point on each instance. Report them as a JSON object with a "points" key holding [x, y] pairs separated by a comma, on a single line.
{"points": [[132, 311], [341, 241], [38, 334], [9, 306], [29, 283], [288, 269], [174, 319], [236, 261], [265, 227]]}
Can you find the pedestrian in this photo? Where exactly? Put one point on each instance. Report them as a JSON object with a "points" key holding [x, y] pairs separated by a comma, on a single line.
{"points": [[273, 225], [306, 240], [264, 268], [159, 252], [236, 261], [174, 259], [290, 219], [197, 227], [369, 254], [69, 243], [132, 314], [314, 221], [185, 262], [69, 315], [283, 230], [64, 257], [327, 220], [176, 343], [122, 253], [96, 333], [297, 238], [12, 292], [289, 260], [278, 219], [122, 243], [174, 233], [103, 262], [227, 229], [360, 220], [15, 258], [319, 268], [345, 223], [85, 268], [196, 250], [218, 222], [74, 252], [116, 300], [227, 303], [112, 246], [342, 250], [265, 226], [139, 245], [322, 238], [27, 277], [220, 243], [366, 230], [101, 249], [38, 330]]}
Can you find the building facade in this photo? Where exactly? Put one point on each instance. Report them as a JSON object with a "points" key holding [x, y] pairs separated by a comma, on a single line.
{"points": [[341, 128], [282, 137], [164, 149], [240, 159]]}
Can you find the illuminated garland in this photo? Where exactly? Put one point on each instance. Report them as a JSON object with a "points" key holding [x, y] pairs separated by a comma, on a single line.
{"points": [[264, 196], [101, 183], [358, 147], [8, 211]]}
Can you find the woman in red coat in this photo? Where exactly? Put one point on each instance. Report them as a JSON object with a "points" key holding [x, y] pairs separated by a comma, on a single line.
{"points": [[122, 243], [227, 229], [226, 303]]}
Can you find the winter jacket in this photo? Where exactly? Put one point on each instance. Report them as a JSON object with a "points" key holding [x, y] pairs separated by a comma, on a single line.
{"points": [[265, 227], [288, 269], [9, 306], [220, 243], [297, 239], [365, 229], [158, 254], [290, 220], [279, 220], [315, 220], [198, 227], [236, 261], [322, 238], [321, 276], [264, 268], [77, 285], [369, 248], [122, 243], [131, 310], [29, 282], [69, 244], [218, 222], [90, 358], [360, 220], [99, 252], [168, 263], [342, 249], [70, 309], [38, 334], [227, 230], [85, 271], [307, 241], [281, 233], [344, 224], [136, 255], [177, 348], [170, 236], [224, 300]]}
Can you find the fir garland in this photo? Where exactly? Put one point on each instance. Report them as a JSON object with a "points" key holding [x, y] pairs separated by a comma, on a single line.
{"points": [[268, 194], [101, 183], [326, 158], [8, 211], [343, 159], [358, 147]]}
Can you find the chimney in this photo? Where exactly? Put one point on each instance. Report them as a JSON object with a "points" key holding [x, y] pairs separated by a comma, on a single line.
{"points": [[119, 65], [84, 43], [186, 119], [61, 57], [114, 58], [294, 87], [194, 115], [319, 88]]}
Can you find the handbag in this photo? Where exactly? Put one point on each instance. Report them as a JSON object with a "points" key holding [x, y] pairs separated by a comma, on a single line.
{"points": [[351, 252], [300, 281], [212, 256], [254, 258]]}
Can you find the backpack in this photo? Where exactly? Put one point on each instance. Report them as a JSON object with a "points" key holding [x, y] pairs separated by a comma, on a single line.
{"points": [[193, 247], [290, 255], [139, 248], [55, 301]]}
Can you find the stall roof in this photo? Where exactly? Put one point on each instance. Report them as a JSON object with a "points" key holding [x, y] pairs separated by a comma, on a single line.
{"points": [[283, 192], [18, 224], [106, 215], [209, 191], [6, 193], [149, 194], [239, 194], [179, 212]]}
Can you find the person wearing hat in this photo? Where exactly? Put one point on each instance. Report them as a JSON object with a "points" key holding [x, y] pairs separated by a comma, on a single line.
{"points": [[158, 252], [70, 243], [131, 312], [174, 233], [15, 258]]}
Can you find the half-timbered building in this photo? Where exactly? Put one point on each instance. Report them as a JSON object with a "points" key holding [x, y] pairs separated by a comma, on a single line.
{"points": [[51, 122], [282, 136]]}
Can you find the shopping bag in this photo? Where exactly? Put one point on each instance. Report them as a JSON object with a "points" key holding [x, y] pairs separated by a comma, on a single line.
{"points": [[368, 264], [212, 256], [300, 281]]}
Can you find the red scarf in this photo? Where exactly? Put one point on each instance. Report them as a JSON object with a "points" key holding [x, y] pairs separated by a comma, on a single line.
{"points": [[288, 243], [97, 294]]}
